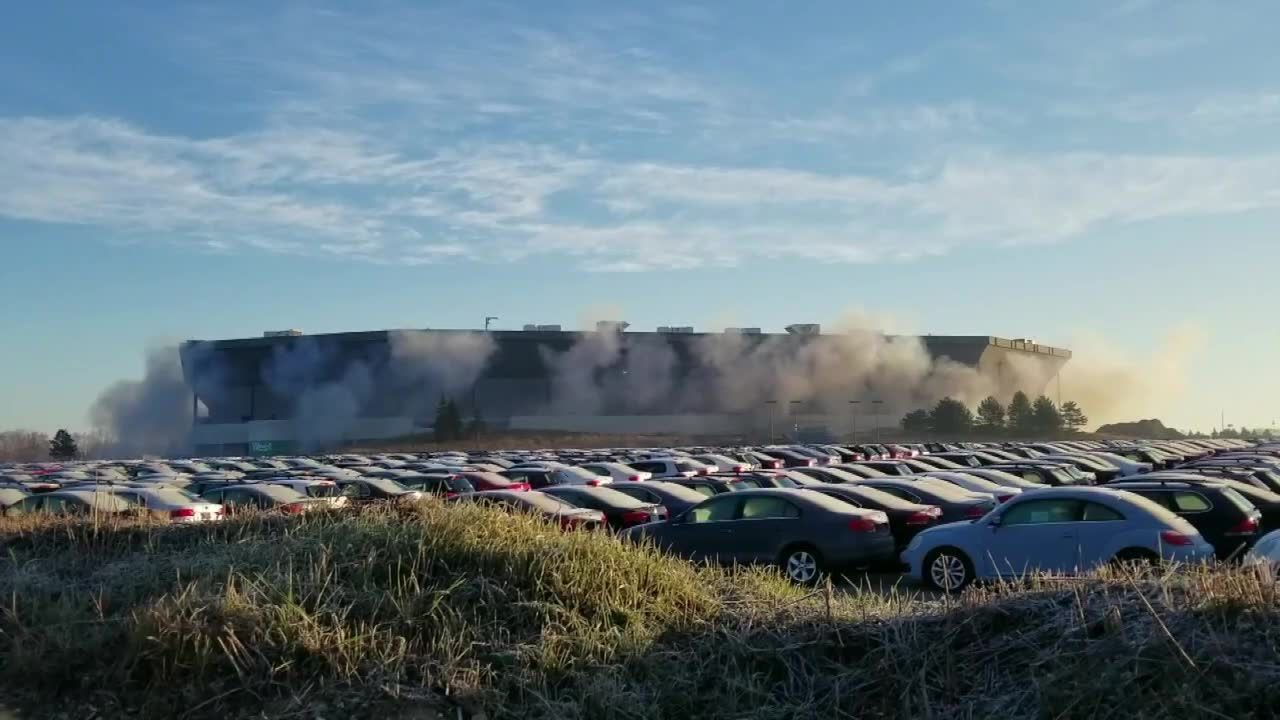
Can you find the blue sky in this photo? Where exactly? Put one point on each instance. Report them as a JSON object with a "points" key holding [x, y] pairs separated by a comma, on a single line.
{"points": [[1103, 176]]}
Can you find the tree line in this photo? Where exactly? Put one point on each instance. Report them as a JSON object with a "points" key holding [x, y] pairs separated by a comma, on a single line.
{"points": [[34, 446], [1022, 418]]}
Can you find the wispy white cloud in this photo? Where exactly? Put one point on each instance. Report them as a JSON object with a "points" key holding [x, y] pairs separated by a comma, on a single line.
{"points": [[355, 197], [395, 138]]}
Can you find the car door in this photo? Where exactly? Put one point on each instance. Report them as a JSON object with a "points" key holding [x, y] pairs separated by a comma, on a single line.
{"points": [[764, 525], [705, 532], [1032, 536], [1098, 526]]}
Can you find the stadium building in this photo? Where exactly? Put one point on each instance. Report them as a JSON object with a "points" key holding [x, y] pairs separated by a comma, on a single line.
{"points": [[287, 391]]}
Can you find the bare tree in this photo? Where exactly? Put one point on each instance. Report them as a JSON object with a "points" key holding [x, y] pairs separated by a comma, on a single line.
{"points": [[23, 446]]}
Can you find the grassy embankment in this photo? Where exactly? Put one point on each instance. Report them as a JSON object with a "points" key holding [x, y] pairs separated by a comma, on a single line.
{"points": [[459, 610]]}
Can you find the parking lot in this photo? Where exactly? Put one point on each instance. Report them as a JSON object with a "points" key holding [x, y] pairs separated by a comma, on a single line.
{"points": [[881, 517]]}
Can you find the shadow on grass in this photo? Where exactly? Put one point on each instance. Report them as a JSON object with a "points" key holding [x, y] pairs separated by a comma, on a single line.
{"points": [[413, 612]]}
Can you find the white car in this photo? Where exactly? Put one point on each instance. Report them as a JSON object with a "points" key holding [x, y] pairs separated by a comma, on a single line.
{"points": [[617, 471], [973, 483], [176, 504]]}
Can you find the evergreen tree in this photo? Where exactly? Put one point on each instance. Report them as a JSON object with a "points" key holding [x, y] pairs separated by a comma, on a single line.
{"points": [[916, 421], [990, 416], [63, 446], [950, 417], [1073, 417], [1045, 417], [453, 420], [1020, 419]]}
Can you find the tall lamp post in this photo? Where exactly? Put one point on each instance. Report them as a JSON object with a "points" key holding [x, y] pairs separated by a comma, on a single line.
{"points": [[772, 404], [791, 413], [853, 418], [876, 415]]}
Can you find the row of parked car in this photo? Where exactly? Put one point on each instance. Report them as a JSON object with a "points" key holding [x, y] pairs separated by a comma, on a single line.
{"points": [[949, 514]]}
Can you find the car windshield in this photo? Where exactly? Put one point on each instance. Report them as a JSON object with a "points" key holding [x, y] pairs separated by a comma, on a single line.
{"points": [[278, 493], [1063, 476], [387, 485], [679, 492], [322, 490], [104, 502], [689, 466], [579, 473], [172, 496], [841, 475], [947, 491], [604, 497]]}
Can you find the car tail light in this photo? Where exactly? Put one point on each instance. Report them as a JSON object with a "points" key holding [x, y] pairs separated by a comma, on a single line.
{"points": [[1176, 539], [976, 511], [593, 483], [636, 517], [1004, 498], [924, 517], [450, 495], [292, 509], [704, 471], [1248, 526], [183, 513], [868, 523], [634, 478]]}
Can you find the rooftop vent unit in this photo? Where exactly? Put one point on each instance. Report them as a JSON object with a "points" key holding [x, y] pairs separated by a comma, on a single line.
{"points": [[542, 328], [676, 329], [804, 329], [743, 331], [617, 326], [282, 333]]}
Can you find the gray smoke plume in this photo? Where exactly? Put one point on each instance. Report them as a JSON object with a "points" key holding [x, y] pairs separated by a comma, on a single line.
{"points": [[151, 416], [737, 373], [326, 391]]}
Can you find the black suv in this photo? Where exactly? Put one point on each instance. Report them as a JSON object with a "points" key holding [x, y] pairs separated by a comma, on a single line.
{"points": [[1223, 516]]}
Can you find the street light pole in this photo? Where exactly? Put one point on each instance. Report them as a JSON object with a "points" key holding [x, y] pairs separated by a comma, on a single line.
{"points": [[876, 415], [488, 319], [853, 415], [791, 413]]}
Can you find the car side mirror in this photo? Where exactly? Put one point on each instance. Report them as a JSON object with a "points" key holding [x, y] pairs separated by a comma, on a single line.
{"points": [[994, 523]]}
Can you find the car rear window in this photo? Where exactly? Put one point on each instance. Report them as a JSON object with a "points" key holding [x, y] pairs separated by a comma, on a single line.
{"points": [[173, 496], [1237, 499], [601, 499], [542, 501]]}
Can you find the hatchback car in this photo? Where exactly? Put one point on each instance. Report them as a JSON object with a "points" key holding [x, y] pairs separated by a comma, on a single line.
{"points": [[1058, 530]]}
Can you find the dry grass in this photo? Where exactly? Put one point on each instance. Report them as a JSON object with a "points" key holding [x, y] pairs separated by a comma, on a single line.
{"points": [[394, 613]]}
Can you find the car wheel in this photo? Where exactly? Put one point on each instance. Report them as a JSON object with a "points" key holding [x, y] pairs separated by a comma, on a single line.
{"points": [[1135, 559], [802, 565], [948, 570]]}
